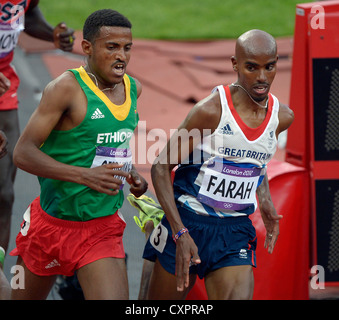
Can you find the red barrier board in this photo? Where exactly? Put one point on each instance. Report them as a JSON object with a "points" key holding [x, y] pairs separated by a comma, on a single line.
{"points": [[299, 142], [284, 274]]}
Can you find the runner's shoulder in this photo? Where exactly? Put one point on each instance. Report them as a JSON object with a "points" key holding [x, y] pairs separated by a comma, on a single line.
{"points": [[64, 85]]}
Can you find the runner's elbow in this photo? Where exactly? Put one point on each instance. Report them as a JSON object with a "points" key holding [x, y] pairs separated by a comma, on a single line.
{"points": [[158, 170], [19, 157]]}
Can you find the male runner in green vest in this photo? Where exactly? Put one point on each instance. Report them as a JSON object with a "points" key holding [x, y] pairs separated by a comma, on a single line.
{"points": [[77, 143]]}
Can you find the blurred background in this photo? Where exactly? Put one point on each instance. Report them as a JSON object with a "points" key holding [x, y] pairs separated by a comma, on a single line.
{"points": [[185, 20]]}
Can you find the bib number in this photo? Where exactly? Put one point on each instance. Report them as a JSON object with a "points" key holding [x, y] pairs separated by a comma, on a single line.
{"points": [[159, 237], [10, 31], [106, 155], [228, 187], [27, 221]]}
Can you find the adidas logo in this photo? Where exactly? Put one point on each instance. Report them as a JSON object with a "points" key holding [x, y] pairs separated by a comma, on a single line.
{"points": [[52, 264], [226, 129], [243, 253], [97, 114]]}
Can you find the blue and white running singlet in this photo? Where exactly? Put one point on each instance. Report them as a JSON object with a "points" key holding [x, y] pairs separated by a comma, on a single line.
{"points": [[223, 172]]}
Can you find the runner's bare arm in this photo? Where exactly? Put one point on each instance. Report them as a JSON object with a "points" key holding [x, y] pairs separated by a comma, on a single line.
{"points": [[266, 206], [286, 117], [207, 111], [56, 101], [37, 26], [269, 214]]}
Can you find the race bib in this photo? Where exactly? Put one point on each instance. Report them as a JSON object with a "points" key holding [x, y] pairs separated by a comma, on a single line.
{"points": [[9, 35], [228, 187], [106, 155], [27, 221], [158, 237]]}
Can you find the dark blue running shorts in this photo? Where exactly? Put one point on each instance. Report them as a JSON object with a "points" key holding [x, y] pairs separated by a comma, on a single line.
{"points": [[221, 242]]}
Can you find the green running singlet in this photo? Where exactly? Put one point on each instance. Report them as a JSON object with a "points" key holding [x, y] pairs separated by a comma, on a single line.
{"points": [[102, 137]]}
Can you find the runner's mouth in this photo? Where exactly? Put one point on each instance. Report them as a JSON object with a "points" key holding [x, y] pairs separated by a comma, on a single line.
{"points": [[119, 69], [261, 89]]}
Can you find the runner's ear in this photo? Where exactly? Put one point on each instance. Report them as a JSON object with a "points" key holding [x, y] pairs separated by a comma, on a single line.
{"points": [[86, 47]]}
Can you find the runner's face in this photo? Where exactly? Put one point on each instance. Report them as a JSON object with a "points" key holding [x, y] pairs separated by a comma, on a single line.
{"points": [[256, 73], [111, 53]]}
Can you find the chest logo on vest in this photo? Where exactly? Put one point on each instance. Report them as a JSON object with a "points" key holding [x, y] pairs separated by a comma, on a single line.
{"points": [[97, 114], [226, 129]]}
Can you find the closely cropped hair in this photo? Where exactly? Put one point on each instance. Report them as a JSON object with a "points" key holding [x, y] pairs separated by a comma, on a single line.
{"points": [[103, 18]]}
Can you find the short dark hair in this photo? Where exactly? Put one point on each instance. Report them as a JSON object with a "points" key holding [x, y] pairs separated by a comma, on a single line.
{"points": [[103, 18]]}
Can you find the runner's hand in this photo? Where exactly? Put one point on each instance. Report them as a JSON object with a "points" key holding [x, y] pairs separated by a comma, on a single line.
{"points": [[271, 221], [138, 184], [186, 254], [104, 178], [4, 84], [63, 37]]}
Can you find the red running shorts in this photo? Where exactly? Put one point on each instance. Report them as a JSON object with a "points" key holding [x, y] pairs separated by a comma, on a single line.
{"points": [[52, 246]]}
